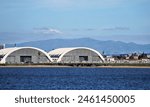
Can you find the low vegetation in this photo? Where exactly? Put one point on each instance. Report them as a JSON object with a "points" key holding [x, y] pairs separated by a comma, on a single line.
{"points": [[80, 64]]}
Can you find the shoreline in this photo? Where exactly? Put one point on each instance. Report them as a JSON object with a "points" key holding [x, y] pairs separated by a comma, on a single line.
{"points": [[67, 66]]}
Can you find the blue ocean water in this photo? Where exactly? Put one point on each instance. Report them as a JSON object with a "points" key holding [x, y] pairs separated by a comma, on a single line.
{"points": [[74, 78]]}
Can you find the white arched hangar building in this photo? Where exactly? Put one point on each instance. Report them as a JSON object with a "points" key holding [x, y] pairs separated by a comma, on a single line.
{"points": [[22, 55], [76, 55]]}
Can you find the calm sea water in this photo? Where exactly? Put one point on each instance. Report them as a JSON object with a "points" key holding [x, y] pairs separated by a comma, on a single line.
{"points": [[74, 78]]}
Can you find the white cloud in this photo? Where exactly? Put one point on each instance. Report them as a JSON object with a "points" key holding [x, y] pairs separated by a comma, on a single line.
{"points": [[46, 30]]}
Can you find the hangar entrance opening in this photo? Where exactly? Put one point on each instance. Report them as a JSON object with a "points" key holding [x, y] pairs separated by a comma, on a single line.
{"points": [[83, 58], [26, 59]]}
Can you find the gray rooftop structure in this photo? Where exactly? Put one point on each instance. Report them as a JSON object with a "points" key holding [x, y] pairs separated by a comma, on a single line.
{"points": [[76, 55], [21, 55]]}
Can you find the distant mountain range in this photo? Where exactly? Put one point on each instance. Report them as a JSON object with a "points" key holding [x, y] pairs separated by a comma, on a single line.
{"points": [[108, 47]]}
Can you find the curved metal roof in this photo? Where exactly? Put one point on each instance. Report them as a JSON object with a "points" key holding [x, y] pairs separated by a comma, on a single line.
{"points": [[7, 51], [3, 52], [62, 51]]}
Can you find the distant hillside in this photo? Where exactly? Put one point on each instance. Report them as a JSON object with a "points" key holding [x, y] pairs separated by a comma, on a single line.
{"points": [[109, 47]]}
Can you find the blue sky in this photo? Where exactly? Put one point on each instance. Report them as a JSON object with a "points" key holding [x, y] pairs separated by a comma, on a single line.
{"points": [[31, 20]]}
